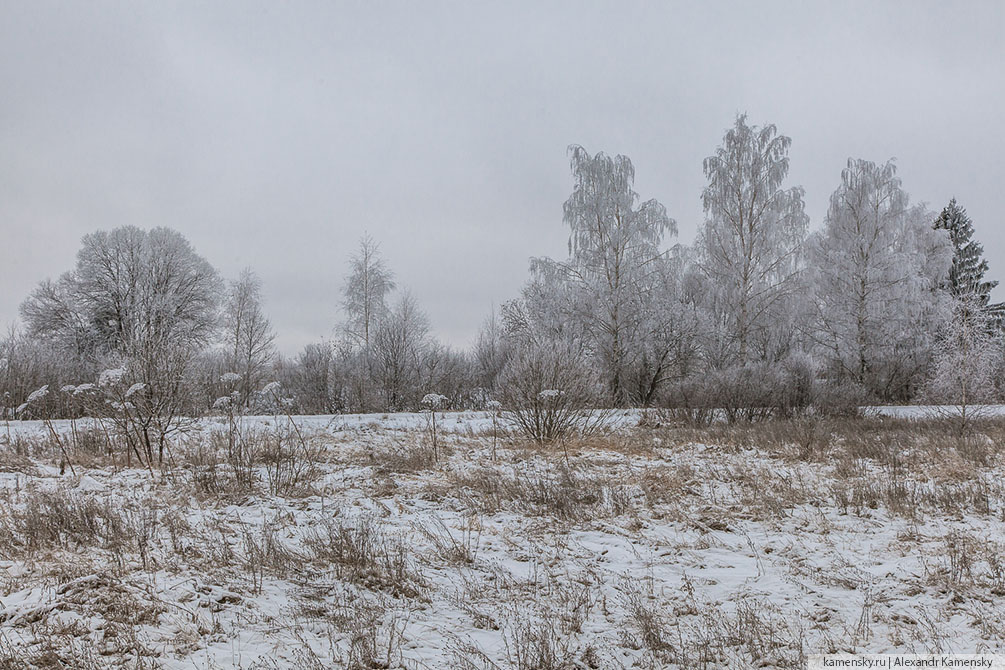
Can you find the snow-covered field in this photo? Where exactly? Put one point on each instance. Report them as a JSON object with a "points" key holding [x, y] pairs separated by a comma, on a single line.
{"points": [[934, 411], [358, 547], [402, 421], [465, 421]]}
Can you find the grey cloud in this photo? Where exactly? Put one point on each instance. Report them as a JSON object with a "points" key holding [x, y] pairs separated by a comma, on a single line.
{"points": [[274, 135]]}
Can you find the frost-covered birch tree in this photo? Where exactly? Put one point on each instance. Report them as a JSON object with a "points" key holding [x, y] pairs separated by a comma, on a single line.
{"points": [[249, 335], [614, 249], [878, 265], [670, 328], [366, 289], [753, 233], [547, 309]]}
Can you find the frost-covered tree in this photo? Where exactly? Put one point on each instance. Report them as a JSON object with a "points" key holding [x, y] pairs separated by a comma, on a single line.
{"points": [[754, 229], [547, 309], [399, 344], [877, 268], [670, 328], [614, 250], [490, 352], [27, 363], [966, 275], [249, 336], [366, 289], [966, 359], [314, 379], [142, 299], [450, 371], [130, 288]]}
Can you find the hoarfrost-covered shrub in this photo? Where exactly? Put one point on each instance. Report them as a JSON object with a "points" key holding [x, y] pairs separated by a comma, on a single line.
{"points": [[111, 377], [550, 393], [966, 360], [434, 400], [796, 379], [749, 392], [741, 393]]}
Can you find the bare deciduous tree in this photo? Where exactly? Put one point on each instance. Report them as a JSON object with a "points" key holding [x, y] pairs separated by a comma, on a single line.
{"points": [[142, 298], [398, 346], [490, 352], [249, 335]]}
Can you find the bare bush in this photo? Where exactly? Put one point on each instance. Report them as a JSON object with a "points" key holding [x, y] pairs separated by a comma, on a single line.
{"points": [[550, 394], [757, 391], [749, 392], [839, 398], [291, 460], [965, 363]]}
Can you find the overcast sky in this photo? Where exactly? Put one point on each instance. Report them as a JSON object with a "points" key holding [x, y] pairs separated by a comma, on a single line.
{"points": [[273, 135]]}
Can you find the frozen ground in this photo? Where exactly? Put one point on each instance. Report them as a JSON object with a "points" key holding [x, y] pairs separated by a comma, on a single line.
{"points": [[359, 547]]}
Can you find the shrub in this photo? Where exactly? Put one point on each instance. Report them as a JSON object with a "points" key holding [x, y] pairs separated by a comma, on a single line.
{"points": [[689, 401], [756, 391], [550, 393], [840, 398], [749, 392]]}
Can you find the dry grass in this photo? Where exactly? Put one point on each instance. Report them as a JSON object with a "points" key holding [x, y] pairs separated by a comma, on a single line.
{"points": [[513, 549], [371, 628], [409, 456], [52, 520], [362, 553], [755, 634], [928, 442], [563, 493]]}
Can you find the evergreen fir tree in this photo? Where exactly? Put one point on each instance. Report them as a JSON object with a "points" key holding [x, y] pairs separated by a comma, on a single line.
{"points": [[966, 276]]}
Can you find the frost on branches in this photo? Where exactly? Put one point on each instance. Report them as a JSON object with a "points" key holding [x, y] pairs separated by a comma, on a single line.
{"points": [[966, 359]]}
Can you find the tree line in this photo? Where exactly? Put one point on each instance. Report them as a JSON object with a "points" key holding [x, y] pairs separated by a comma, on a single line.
{"points": [[886, 302]]}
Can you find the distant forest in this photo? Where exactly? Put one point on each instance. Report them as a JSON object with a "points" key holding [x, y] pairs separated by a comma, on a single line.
{"points": [[887, 302]]}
